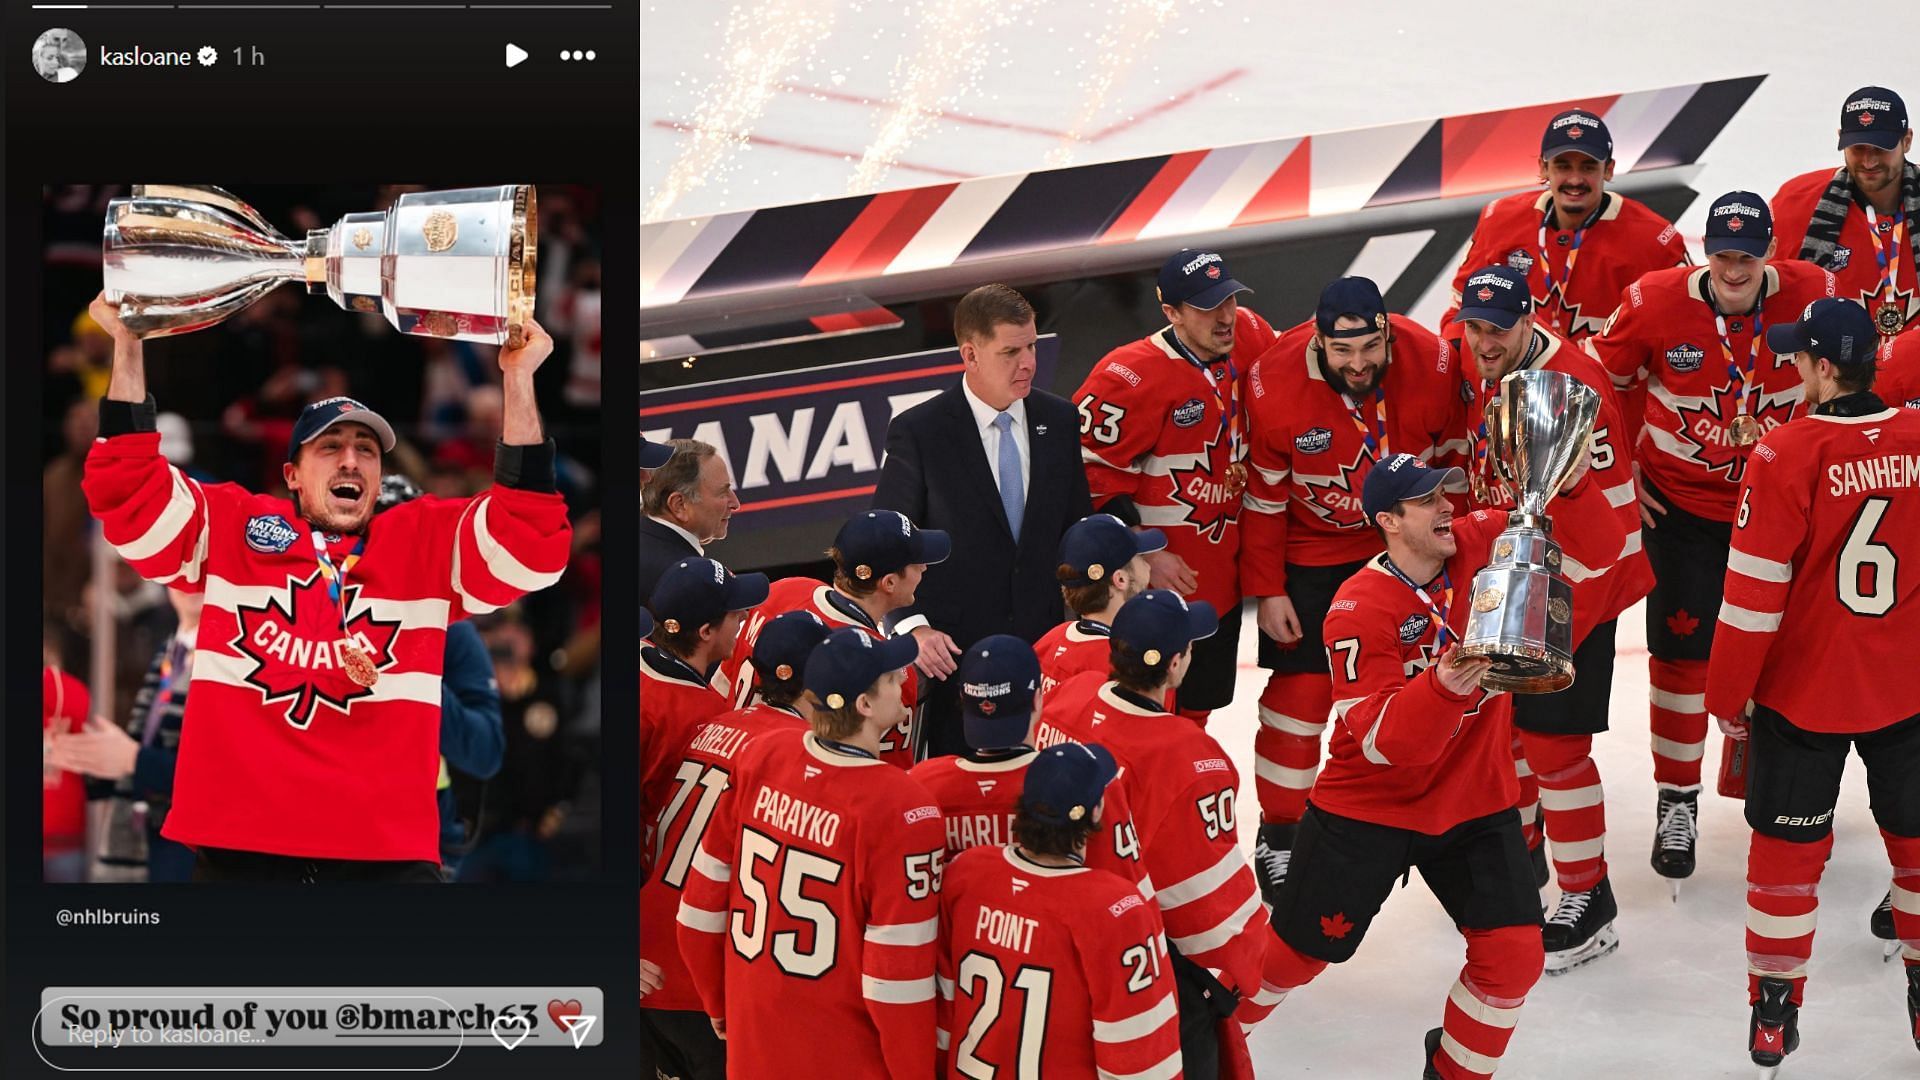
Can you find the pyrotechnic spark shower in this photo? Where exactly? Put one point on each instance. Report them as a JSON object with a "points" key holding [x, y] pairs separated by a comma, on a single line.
{"points": [[945, 69], [1127, 35]]}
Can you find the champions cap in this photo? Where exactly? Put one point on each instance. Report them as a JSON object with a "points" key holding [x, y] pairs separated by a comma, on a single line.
{"points": [[999, 677]]}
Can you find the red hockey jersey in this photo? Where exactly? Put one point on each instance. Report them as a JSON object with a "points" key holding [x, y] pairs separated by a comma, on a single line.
{"points": [[837, 611], [1182, 787], [1158, 429], [1820, 605], [1898, 380], [1309, 457], [1665, 334], [706, 762], [978, 800], [1856, 261], [1406, 752], [1626, 241], [64, 707], [281, 752], [674, 702], [1600, 593], [1071, 648], [813, 908], [1052, 971]]}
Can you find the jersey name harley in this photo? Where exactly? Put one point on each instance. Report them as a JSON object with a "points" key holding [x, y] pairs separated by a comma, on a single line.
{"points": [[978, 830], [796, 816], [1888, 471]]}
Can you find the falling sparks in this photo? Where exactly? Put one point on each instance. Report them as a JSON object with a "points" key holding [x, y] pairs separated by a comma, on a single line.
{"points": [[944, 69], [762, 43], [1124, 40]]}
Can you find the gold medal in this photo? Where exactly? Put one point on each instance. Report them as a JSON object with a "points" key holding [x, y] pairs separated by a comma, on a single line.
{"points": [[1744, 431], [1236, 478], [358, 665], [1481, 493], [1889, 318]]}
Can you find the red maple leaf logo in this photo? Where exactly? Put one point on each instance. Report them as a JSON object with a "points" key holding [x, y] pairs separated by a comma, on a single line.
{"points": [[292, 646], [1734, 224], [1682, 624], [1866, 119], [1335, 497], [1336, 925], [1576, 132], [1203, 490], [1705, 426]]}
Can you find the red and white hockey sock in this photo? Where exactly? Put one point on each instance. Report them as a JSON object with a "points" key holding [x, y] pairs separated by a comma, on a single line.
{"points": [[1904, 852], [1783, 895], [1484, 1003], [1677, 713], [1529, 804], [1286, 748], [1572, 805], [1285, 970]]}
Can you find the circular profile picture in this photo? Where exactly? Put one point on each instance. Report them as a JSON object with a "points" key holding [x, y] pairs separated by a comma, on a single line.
{"points": [[59, 55]]}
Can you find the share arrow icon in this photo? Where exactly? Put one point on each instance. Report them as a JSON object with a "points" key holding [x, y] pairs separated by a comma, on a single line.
{"points": [[578, 1026]]}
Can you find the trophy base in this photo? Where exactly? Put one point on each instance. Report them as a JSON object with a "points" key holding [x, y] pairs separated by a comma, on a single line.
{"points": [[1522, 669]]}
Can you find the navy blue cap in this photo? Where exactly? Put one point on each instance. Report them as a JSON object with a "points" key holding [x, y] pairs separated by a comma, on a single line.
{"points": [[1400, 477], [780, 651], [1197, 277], [999, 677], [1158, 624], [1355, 296], [695, 592], [1739, 221], [1873, 115], [1099, 544], [849, 661], [1496, 294], [876, 543], [1066, 782], [1831, 328], [646, 624], [327, 412], [654, 455], [1577, 129]]}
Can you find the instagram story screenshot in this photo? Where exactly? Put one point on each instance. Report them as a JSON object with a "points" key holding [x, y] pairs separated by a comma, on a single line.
{"points": [[315, 483]]}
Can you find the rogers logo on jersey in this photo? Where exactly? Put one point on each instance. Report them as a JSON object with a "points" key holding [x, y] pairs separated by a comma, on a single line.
{"points": [[1685, 357], [294, 642], [921, 813], [1343, 605], [1126, 373], [1313, 441], [1212, 764], [1189, 412], [270, 534], [1125, 904]]}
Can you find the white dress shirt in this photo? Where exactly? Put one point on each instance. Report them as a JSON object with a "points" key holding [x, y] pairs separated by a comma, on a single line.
{"points": [[983, 417]]}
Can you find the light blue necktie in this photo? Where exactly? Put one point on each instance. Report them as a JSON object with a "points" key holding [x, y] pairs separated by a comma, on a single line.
{"points": [[1011, 497]]}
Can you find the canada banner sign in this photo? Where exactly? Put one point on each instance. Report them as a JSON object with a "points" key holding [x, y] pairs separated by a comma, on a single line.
{"points": [[805, 447]]}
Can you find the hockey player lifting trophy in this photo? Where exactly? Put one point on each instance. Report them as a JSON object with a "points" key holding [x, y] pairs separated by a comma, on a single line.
{"points": [[1522, 614]]}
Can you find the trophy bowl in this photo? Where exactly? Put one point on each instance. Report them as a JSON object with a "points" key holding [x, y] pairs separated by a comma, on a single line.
{"points": [[449, 264], [1522, 603]]}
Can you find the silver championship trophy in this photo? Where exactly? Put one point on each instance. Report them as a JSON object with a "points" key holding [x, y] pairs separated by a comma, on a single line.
{"points": [[446, 264], [1522, 616]]}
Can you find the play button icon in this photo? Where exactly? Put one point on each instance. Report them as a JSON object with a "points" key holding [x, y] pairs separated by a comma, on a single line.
{"points": [[515, 54]]}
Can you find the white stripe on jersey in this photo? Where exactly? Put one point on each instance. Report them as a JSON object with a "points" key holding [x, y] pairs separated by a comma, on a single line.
{"points": [[1140, 1024], [896, 991], [167, 527], [1202, 883], [1213, 938], [500, 561], [920, 933], [1758, 568], [701, 920]]}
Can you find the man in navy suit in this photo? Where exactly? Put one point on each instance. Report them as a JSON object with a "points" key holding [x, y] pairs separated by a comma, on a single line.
{"points": [[996, 464]]}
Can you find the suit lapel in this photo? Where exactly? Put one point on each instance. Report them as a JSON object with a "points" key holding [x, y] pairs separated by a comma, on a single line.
{"points": [[972, 455], [1045, 486]]}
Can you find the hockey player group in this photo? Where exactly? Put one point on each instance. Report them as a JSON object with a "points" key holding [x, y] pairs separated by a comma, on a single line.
{"points": [[1070, 898]]}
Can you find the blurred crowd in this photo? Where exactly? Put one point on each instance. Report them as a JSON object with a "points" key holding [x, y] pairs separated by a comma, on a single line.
{"points": [[228, 396]]}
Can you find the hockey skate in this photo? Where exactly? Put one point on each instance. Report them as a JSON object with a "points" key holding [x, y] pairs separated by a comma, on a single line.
{"points": [[1913, 1004], [1676, 833], [1433, 1051], [1774, 1031], [1270, 857], [1581, 929], [1881, 924]]}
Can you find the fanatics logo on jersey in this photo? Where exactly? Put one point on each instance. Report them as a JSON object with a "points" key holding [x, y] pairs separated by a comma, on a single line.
{"points": [[1189, 412], [1313, 441], [294, 643], [986, 786], [269, 534], [1019, 884], [1414, 628], [1685, 357]]}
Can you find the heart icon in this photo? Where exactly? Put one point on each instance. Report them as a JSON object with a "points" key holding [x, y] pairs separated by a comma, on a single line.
{"points": [[510, 1023], [558, 1011]]}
